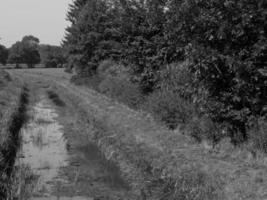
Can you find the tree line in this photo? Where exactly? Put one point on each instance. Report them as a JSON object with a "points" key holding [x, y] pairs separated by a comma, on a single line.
{"points": [[223, 42], [29, 51]]}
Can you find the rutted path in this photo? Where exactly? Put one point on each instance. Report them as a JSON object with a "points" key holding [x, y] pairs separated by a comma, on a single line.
{"points": [[141, 141], [43, 147], [64, 163]]}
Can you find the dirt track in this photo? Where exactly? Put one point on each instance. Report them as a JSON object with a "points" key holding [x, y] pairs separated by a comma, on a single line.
{"points": [[57, 149], [136, 143]]}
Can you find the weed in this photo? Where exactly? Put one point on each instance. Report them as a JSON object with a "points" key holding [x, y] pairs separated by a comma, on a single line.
{"points": [[10, 141], [191, 183], [258, 135]]}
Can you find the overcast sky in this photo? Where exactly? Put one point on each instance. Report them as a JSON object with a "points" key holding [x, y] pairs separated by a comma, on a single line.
{"points": [[44, 19]]}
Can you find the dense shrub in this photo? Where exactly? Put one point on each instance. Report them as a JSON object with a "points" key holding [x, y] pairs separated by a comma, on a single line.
{"points": [[226, 44], [110, 68], [172, 102], [122, 90], [169, 107]]}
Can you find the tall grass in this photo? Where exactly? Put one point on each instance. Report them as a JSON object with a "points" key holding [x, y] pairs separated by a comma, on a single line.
{"points": [[122, 90], [191, 183], [11, 123]]}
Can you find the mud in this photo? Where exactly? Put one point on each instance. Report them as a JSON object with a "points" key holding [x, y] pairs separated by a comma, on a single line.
{"points": [[67, 165], [43, 146]]}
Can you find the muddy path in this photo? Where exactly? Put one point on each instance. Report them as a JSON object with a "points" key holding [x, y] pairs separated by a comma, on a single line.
{"points": [[64, 162]]}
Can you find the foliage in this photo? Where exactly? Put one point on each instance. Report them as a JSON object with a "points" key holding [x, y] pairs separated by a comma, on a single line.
{"points": [[169, 107], [223, 43], [122, 90], [116, 83], [52, 56], [226, 44], [90, 37], [3, 54], [25, 51]]}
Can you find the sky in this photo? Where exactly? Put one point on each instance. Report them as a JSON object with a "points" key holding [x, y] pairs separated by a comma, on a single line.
{"points": [[45, 19]]}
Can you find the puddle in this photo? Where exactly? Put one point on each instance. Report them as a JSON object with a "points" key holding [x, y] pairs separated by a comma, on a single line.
{"points": [[44, 146], [78, 173]]}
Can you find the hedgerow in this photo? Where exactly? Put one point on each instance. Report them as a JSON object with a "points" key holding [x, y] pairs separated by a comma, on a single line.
{"points": [[223, 43]]}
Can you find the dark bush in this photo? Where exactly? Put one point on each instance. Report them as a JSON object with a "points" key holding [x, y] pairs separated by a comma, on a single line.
{"points": [[203, 128], [169, 107], [122, 90]]}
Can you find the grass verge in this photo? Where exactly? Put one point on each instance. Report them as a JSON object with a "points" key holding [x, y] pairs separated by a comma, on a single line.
{"points": [[12, 120]]}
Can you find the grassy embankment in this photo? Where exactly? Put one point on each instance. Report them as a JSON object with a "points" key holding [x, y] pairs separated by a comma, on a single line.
{"points": [[13, 101], [160, 163], [134, 142], [182, 169]]}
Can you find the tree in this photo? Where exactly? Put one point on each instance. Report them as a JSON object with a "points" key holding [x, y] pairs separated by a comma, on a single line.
{"points": [[25, 51], [131, 31], [226, 43], [52, 56], [3, 54]]}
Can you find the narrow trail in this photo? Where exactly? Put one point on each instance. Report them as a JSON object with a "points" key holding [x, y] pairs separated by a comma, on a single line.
{"points": [[64, 163]]}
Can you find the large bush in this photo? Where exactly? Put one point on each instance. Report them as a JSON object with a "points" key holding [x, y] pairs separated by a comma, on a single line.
{"points": [[172, 102], [122, 90], [117, 84], [169, 107]]}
